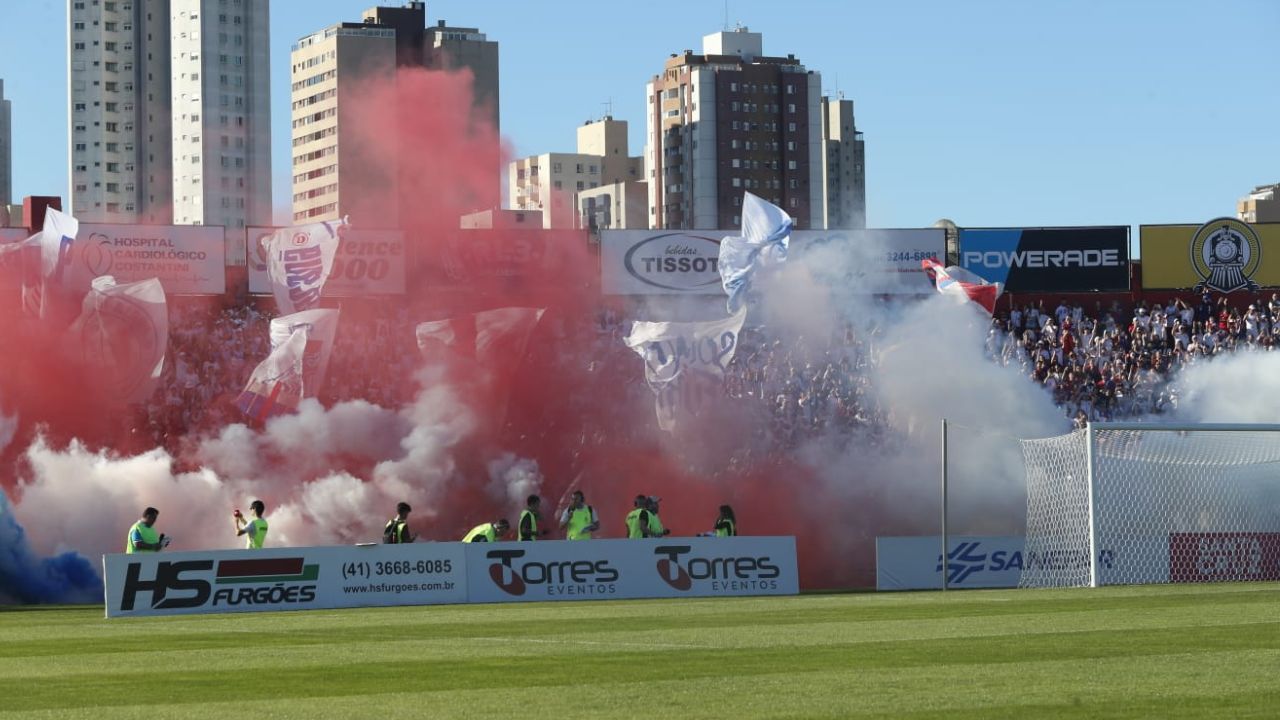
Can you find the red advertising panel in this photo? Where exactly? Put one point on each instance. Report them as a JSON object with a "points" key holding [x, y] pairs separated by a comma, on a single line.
{"points": [[1224, 556]]}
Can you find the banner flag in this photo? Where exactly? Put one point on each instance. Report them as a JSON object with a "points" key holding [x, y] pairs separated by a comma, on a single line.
{"points": [[275, 387], [321, 327], [46, 263], [958, 282], [766, 232], [122, 334], [299, 260], [684, 362]]}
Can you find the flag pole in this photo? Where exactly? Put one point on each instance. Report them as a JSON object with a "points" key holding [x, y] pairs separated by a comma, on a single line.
{"points": [[944, 505]]}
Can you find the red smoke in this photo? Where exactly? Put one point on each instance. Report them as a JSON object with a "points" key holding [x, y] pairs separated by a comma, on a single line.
{"points": [[427, 158]]}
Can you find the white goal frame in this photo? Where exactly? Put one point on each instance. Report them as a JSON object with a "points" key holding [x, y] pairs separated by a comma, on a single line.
{"points": [[1090, 439]]}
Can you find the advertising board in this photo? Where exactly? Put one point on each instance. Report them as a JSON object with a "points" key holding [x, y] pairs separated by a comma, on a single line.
{"points": [[368, 263], [187, 259], [1223, 255], [1038, 260]]}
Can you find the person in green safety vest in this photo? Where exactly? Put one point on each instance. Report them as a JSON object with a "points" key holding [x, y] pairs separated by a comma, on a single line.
{"points": [[396, 531], [726, 524], [655, 523], [255, 530], [143, 537], [637, 521], [487, 532], [528, 527], [579, 520]]}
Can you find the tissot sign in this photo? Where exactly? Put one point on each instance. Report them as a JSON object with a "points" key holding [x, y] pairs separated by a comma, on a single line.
{"points": [[644, 262], [1064, 259]]}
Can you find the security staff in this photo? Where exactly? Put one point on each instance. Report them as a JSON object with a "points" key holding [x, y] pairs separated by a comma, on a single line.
{"points": [[579, 519], [655, 523], [397, 530], [528, 528], [638, 519], [726, 524], [487, 532], [255, 529], [143, 537]]}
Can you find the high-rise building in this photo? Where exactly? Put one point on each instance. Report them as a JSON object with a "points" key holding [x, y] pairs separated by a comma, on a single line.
{"points": [[843, 167], [6, 149], [221, 112], [550, 182], [119, 101], [731, 120], [1260, 206], [332, 174], [170, 111]]}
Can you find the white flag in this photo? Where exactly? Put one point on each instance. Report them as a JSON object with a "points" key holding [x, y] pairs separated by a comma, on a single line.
{"points": [[320, 326], [299, 261], [122, 334], [684, 362], [275, 387], [766, 233]]}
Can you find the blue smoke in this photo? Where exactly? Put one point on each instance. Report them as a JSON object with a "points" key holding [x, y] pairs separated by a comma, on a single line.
{"points": [[26, 578]]}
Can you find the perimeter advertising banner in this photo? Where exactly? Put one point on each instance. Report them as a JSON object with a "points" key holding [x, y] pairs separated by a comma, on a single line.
{"points": [[184, 583], [1223, 255], [12, 235], [369, 262], [915, 562], [187, 259], [1037, 260], [1224, 556], [615, 569], [686, 262]]}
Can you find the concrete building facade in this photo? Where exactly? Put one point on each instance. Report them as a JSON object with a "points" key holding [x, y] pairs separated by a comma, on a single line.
{"points": [[6, 148], [1260, 206], [551, 182], [844, 179], [333, 175], [221, 113], [731, 120], [119, 100]]}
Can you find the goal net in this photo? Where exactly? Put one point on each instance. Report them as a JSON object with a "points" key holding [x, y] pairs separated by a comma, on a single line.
{"points": [[1129, 503]]}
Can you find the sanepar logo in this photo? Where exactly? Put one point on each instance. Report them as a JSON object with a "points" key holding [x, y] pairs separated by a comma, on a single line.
{"points": [[724, 572], [561, 577]]}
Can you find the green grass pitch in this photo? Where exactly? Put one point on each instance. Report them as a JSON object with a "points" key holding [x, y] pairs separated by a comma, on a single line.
{"points": [[1164, 652]]}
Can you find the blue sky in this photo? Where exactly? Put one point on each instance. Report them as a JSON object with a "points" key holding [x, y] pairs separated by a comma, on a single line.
{"points": [[1050, 112]]}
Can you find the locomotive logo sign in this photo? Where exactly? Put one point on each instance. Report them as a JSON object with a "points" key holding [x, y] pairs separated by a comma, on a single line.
{"points": [[1226, 253]]}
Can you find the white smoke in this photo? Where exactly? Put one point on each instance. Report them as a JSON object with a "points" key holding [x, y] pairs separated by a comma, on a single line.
{"points": [[512, 479], [8, 428], [1238, 388]]}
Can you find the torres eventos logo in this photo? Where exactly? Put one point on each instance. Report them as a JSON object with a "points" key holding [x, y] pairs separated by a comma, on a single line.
{"points": [[188, 584], [725, 573], [555, 578]]}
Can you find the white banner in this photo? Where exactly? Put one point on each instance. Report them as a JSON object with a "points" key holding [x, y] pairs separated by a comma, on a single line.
{"points": [[684, 362], [651, 568], [877, 262], [369, 262], [275, 386], [299, 261], [184, 583], [187, 259], [321, 327], [915, 563], [647, 262], [121, 336]]}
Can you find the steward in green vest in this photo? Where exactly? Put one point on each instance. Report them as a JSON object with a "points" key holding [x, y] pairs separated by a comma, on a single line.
{"points": [[638, 519], [579, 519], [487, 532], [528, 527], [726, 524], [396, 531], [143, 536], [655, 523], [255, 529]]}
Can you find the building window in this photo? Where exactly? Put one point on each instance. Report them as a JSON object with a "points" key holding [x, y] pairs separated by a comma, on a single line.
{"points": [[791, 107], [791, 127], [791, 164]]}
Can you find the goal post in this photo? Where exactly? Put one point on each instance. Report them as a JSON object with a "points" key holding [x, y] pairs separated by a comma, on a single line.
{"points": [[1136, 503]]}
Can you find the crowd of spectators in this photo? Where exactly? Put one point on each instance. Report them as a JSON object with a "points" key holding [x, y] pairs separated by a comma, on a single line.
{"points": [[1103, 363]]}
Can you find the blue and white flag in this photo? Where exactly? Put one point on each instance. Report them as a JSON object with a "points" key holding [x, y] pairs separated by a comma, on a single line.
{"points": [[684, 363], [276, 386], [321, 327], [299, 260], [46, 262], [766, 233], [121, 336]]}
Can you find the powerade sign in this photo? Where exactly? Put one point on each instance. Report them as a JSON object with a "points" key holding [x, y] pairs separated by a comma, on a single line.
{"points": [[1041, 260], [916, 563]]}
